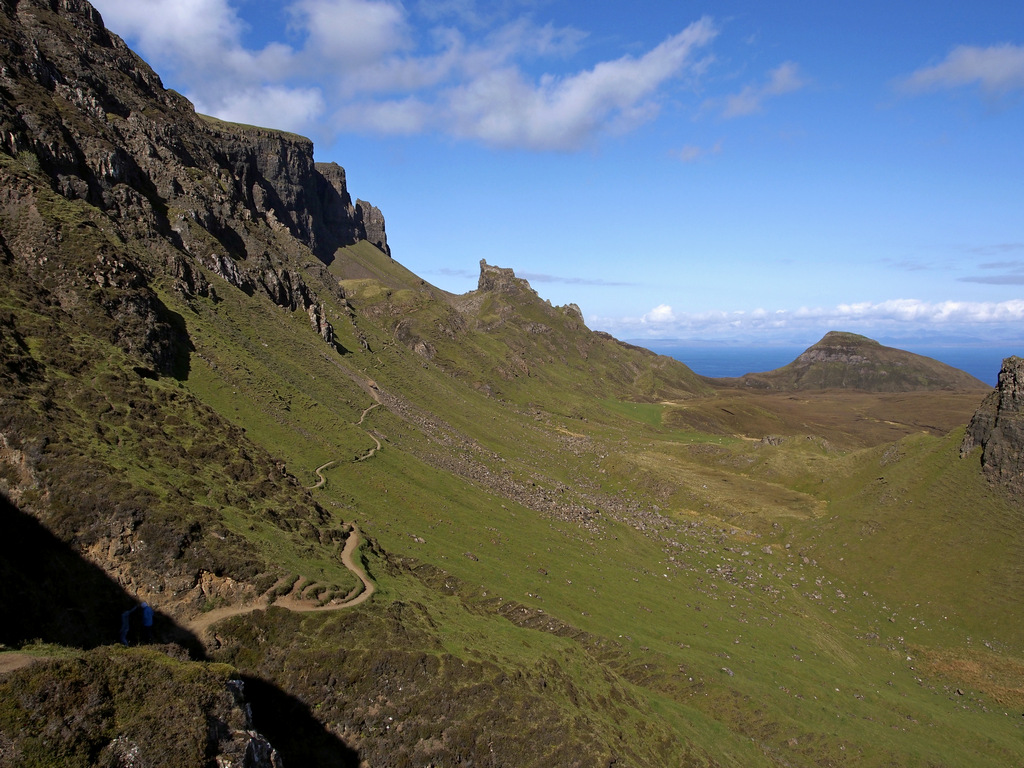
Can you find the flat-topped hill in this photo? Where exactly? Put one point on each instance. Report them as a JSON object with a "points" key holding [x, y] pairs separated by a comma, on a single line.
{"points": [[850, 361]]}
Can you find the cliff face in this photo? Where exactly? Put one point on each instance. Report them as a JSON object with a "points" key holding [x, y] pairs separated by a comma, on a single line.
{"points": [[998, 428], [82, 111]]}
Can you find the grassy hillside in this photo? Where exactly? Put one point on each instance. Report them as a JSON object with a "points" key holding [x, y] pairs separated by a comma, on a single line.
{"points": [[664, 591], [583, 553], [702, 573]]}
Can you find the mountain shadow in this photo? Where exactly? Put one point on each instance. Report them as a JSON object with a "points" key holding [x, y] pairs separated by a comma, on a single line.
{"points": [[289, 724], [51, 593]]}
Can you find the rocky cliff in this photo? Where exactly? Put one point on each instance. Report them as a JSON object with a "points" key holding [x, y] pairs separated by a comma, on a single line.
{"points": [[81, 110], [998, 428], [850, 361]]}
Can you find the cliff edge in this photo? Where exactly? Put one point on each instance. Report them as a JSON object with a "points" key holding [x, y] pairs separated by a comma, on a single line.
{"points": [[998, 429]]}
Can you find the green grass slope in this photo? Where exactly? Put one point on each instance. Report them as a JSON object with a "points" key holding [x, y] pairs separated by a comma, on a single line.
{"points": [[584, 554], [532, 544], [669, 595]]}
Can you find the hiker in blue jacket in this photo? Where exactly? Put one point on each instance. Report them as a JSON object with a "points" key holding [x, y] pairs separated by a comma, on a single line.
{"points": [[147, 623]]}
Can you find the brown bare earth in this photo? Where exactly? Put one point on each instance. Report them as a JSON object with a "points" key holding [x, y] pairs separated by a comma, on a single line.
{"points": [[847, 419], [202, 623], [9, 662]]}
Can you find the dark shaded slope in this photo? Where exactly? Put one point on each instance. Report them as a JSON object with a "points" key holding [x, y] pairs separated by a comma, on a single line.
{"points": [[51, 593], [849, 361]]}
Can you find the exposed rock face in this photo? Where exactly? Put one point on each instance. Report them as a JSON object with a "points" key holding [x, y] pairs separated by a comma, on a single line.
{"points": [[238, 742], [998, 428], [371, 225], [318, 319], [501, 280], [244, 204]]}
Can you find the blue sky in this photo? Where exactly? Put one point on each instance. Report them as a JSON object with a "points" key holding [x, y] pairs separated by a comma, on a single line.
{"points": [[730, 170]]}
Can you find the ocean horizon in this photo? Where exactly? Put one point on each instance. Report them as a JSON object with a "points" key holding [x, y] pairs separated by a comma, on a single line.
{"points": [[728, 360]]}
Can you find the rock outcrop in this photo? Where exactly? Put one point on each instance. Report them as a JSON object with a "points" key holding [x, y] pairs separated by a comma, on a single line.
{"points": [[371, 225], [998, 429], [501, 280]]}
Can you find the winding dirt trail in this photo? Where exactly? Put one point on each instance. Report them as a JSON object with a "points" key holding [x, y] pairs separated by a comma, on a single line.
{"points": [[360, 422], [362, 592], [201, 624], [372, 436], [319, 471]]}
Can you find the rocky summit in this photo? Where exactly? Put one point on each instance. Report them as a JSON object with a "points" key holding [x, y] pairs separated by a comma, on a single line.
{"points": [[269, 498]]}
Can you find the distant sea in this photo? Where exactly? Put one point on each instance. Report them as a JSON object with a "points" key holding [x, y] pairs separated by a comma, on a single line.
{"points": [[729, 360]]}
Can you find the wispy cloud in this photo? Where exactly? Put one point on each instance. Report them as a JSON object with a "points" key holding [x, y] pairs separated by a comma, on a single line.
{"points": [[535, 277], [997, 70], [503, 107], [369, 65], [1012, 270], [786, 78], [450, 272], [1011, 279], [998, 248], [692, 153]]}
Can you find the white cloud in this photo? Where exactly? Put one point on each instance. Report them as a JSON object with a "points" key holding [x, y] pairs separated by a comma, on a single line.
{"points": [[351, 33], [785, 78], [660, 314], [199, 42], [884, 317], [366, 64], [293, 109], [997, 69], [193, 29], [501, 107]]}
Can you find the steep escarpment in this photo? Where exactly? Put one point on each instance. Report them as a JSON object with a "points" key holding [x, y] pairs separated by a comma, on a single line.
{"points": [[850, 361], [998, 428], [86, 126], [120, 208]]}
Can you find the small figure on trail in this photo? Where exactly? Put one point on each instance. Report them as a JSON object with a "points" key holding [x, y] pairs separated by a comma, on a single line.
{"points": [[147, 623], [126, 623]]}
